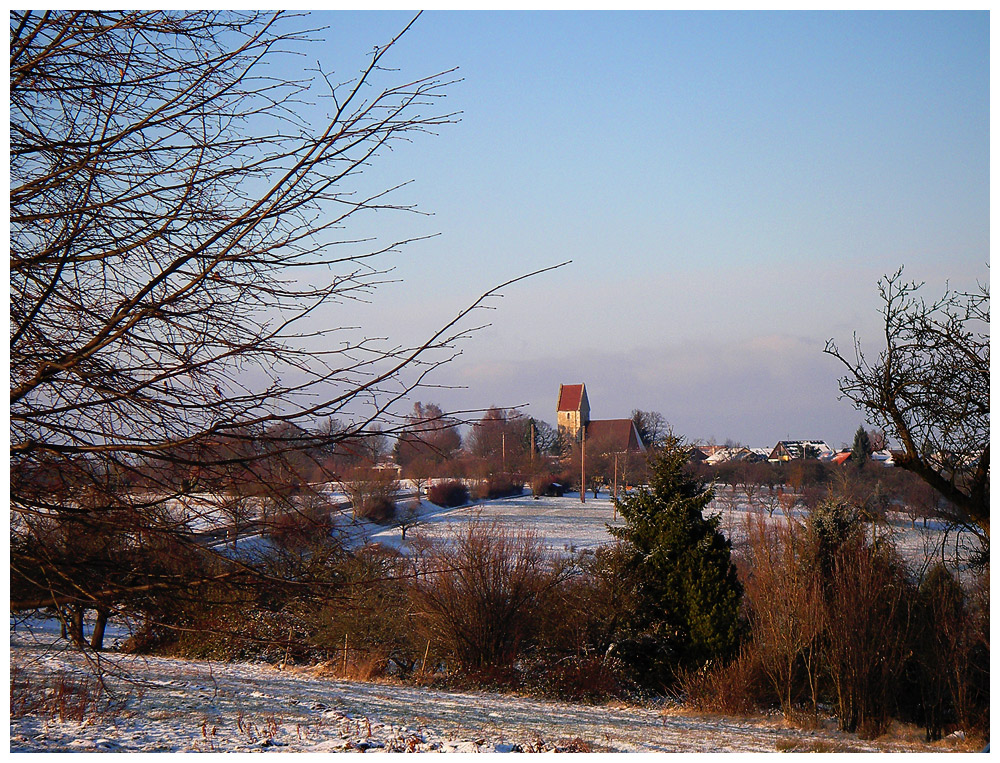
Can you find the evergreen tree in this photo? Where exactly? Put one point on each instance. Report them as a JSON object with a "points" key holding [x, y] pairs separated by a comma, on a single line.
{"points": [[683, 584], [862, 449]]}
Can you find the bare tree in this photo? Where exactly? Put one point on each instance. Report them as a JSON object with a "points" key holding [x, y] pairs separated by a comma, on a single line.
{"points": [[431, 436], [651, 426], [930, 387], [176, 220], [502, 438]]}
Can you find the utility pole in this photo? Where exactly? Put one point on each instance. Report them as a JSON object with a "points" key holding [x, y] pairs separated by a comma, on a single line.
{"points": [[616, 478], [583, 464]]}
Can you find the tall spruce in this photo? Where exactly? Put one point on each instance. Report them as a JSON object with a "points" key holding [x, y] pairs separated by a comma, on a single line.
{"points": [[683, 584], [862, 449]]}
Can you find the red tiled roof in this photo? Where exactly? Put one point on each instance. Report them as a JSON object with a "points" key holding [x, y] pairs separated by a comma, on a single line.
{"points": [[570, 396], [613, 435]]}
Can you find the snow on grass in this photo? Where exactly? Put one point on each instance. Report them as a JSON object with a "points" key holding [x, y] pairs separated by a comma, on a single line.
{"points": [[565, 524], [170, 705]]}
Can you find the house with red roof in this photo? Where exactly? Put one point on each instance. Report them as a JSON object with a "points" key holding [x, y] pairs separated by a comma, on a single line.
{"points": [[608, 435]]}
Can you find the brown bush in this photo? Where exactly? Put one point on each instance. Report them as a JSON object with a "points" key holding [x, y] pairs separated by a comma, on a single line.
{"points": [[498, 486], [448, 494], [868, 601], [738, 687], [372, 493], [785, 608], [299, 528], [576, 678], [477, 595]]}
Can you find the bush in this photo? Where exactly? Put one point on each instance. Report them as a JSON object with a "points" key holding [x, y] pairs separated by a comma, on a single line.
{"points": [[950, 660], [867, 617], [372, 493], [735, 688], [786, 609], [299, 529], [499, 486], [577, 678], [478, 595], [448, 494]]}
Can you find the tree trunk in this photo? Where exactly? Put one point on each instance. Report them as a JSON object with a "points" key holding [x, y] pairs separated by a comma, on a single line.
{"points": [[75, 624], [97, 637]]}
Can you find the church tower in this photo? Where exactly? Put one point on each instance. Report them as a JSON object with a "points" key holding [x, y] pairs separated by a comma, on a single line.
{"points": [[572, 410]]}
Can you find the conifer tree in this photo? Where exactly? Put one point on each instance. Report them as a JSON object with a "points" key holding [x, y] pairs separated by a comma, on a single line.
{"points": [[681, 577], [862, 449]]}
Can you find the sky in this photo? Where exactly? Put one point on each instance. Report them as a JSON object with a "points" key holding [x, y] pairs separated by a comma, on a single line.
{"points": [[728, 186]]}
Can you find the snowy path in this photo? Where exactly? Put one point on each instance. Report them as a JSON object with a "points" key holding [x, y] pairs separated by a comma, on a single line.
{"points": [[181, 706]]}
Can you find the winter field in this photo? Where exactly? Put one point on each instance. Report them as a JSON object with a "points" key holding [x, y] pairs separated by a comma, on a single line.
{"points": [[566, 524], [169, 705], [181, 706]]}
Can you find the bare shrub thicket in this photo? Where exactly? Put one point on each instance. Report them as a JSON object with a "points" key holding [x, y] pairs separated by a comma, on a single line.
{"points": [[360, 628], [951, 653], [581, 619], [787, 613], [477, 596], [448, 493], [835, 619], [372, 492], [737, 687], [867, 623]]}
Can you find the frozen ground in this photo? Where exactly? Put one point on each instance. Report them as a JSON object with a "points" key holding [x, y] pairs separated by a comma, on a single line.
{"points": [[565, 524], [170, 705]]}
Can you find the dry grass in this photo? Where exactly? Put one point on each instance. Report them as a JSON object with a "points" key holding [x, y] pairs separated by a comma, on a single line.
{"points": [[64, 697], [813, 745]]}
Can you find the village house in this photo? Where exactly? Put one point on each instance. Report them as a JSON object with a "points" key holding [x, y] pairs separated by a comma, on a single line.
{"points": [[574, 423], [793, 450]]}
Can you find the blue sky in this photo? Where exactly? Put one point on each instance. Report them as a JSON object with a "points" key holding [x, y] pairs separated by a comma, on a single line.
{"points": [[729, 186]]}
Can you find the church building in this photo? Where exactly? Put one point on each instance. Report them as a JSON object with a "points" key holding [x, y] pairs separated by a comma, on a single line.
{"points": [[573, 422]]}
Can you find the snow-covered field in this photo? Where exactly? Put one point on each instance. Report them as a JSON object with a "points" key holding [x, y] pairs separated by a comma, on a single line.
{"points": [[169, 705], [565, 524]]}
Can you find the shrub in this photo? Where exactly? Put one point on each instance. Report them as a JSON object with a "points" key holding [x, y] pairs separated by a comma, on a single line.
{"points": [[738, 687], [478, 595], [499, 486], [786, 609], [950, 661], [867, 613], [576, 678], [448, 494], [363, 629], [372, 493], [299, 529]]}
